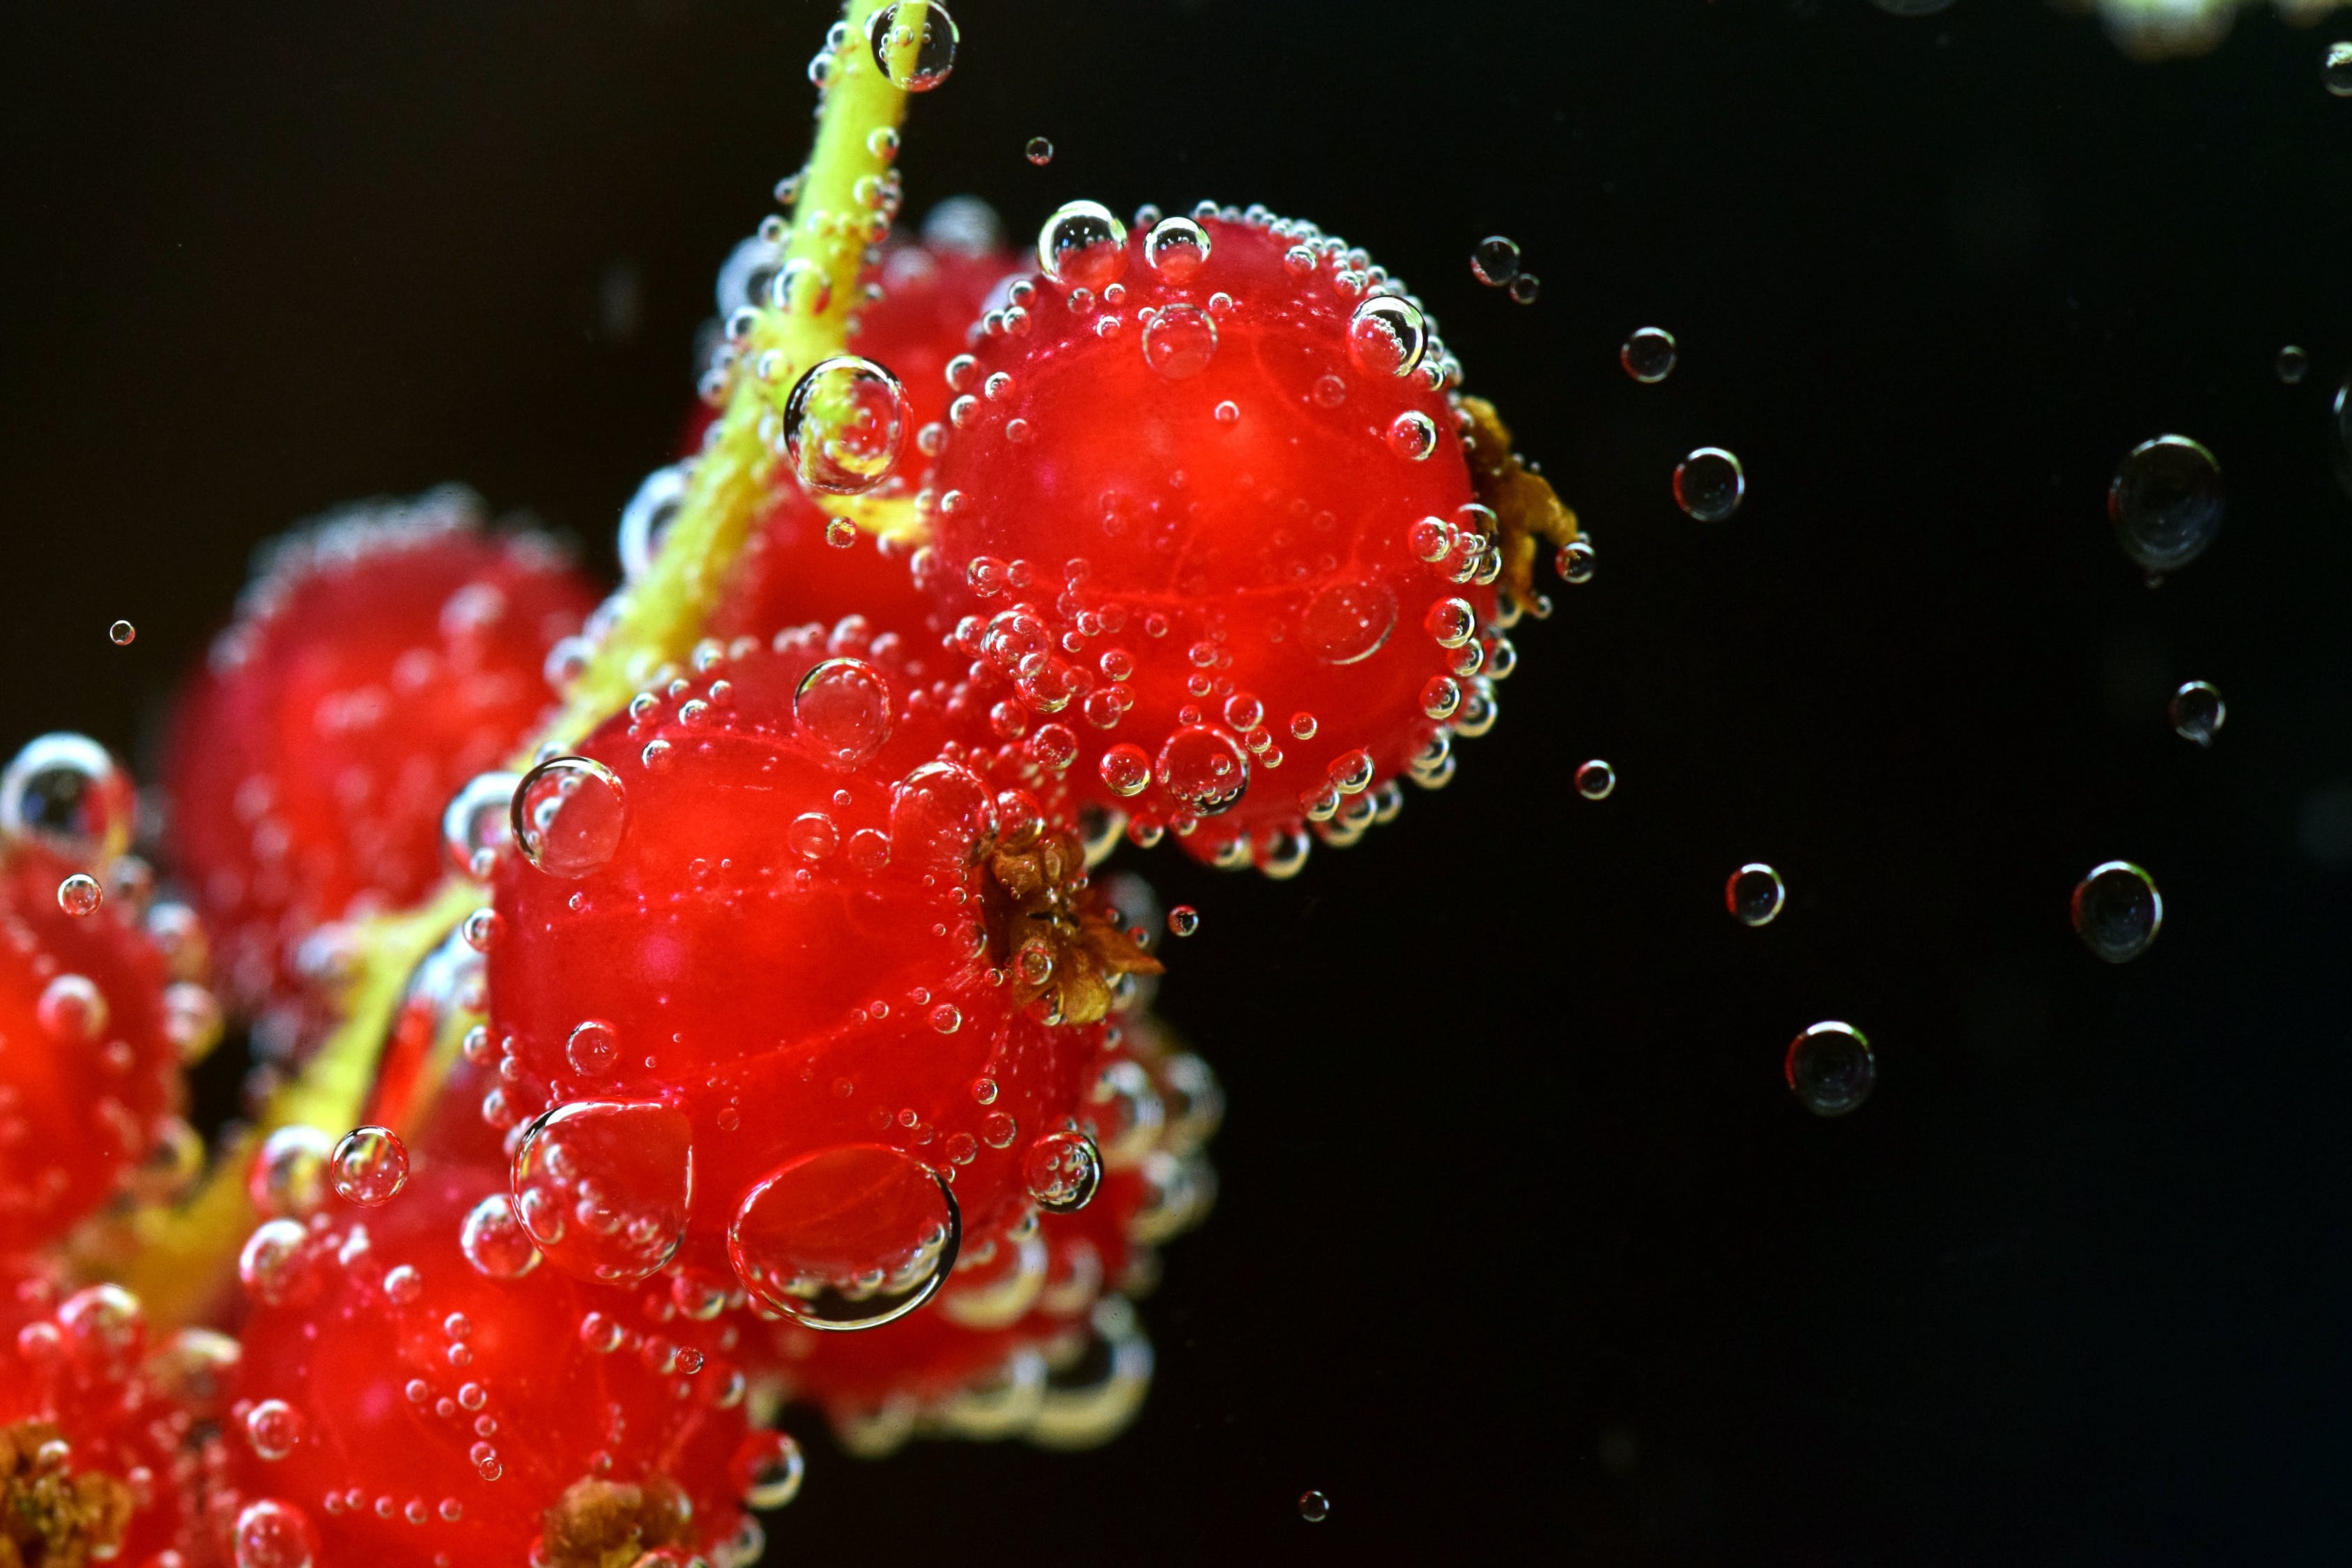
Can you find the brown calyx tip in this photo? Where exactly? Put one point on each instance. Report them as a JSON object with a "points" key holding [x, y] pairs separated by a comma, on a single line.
{"points": [[1060, 943], [611, 1524], [49, 1519], [1525, 505]]}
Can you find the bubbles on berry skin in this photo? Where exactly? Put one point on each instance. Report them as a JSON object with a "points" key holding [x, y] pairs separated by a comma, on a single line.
{"points": [[273, 1534], [369, 1166], [66, 791], [1083, 245], [1177, 249], [1829, 1068], [273, 1427], [844, 423], [79, 894], [477, 825], [1183, 920], [2166, 502], [647, 519], [123, 633], [603, 1187], [1709, 484], [1495, 260], [1062, 1170], [1387, 336], [1039, 151], [2117, 910], [1179, 342], [844, 705], [917, 62], [1649, 354], [1754, 894], [1413, 435], [1347, 622], [848, 1237], [275, 1265], [494, 1240], [943, 814], [288, 1176], [2197, 711], [592, 1046], [1595, 780], [568, 816], [1204, 767], [72, 1008], [1126, 769], [1314, 1507], [767, 1469]]}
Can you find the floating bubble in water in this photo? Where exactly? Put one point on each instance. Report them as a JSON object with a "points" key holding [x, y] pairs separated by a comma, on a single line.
{"points": [[1177, 247], [1595, 780], [273, 1534], [369, 1166], [1039, 151], [1083, 245], [1062, 1170], [1495, 260], [495, 1241], [844, 705], [1180, 340], [1649, 355], [767, 1469], [912, 55], [2117, 910], [1183, 920], [1754, 894], [603, 1187], [1126, 769], [1204, 767], [1413, 435], [843, 425], [273, 1427], [1387, 336], [2166, 502], [1314, 1507], [2291, 364], [848, 1237], [477, 825], [2336, 69], [275, 1265], [1709, 484], [79, 894], [123, 633], [1578, 560], [1348, 622], [288, 1176], [645, 521], [66, 791], [1525, 288], [2197, 711], [568, 815], [1829, 1068]]}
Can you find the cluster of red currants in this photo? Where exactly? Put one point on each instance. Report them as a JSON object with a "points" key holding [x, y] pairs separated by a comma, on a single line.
{"points": [[794, 1003]]}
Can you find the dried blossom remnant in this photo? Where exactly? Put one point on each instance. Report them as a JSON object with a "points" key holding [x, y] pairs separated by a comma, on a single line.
{"points": [[1523, 502], [1060, 944], [612, 1524], [49, 1519]]}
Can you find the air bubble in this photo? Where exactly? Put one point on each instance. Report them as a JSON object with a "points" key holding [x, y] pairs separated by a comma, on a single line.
{"points": [[593, 1046], [123, 633], [1062, 1170], [645, 521], [273, 1534], [2291, 364], [1413, 435], [568, 815], [1176, 249], [603, 1187], [2117, 910], [1754, 894], [1039, 151], [1347, 622], [1830, 1070], [1524, 289], [767, 1470], [2336, 69], [1596, 780], [369, 1166], [843, 425], [66, 791], [1709, 484], [2197, 711], [844, 705], [848, 1237], [288, 1176], [273, 1427], [481, 928], [907, 58], [1183, 920], [1204, 768], [2166, 502], [477, 825], [1179, 342], [1387, 336], [1578, 560], [1495, 260], [1648, 355], [1083, 245], [1126, 769], [1314, 1507], [79, 894], [495, 1241]]}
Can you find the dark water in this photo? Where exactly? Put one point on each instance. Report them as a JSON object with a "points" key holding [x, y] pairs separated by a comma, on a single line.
{"points": [[1523, 1251]]}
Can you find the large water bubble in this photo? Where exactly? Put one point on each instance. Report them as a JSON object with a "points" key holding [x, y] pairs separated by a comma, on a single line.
{"points": [[2166, 502], [849, 1237]]}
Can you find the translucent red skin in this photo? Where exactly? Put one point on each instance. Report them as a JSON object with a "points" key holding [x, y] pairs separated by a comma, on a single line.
{"points": [[343, 1357], [75, 1114], [1239, 547], [119, 1420], [317, 631], [752, 984]]}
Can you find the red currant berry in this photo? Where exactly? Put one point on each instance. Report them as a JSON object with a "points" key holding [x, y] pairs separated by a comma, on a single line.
{"points": [[94, 1032], [402, 1400], [381, 658], [761, 937]]}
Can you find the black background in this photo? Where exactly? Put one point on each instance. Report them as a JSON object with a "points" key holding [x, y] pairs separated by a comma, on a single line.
{"points": [[1524, 1252]]}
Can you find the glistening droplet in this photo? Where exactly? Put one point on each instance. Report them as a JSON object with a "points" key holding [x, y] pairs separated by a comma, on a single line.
{"points": [[844, 706], [1039, 151], [66, 791], [911, 54], [2117, 911], [1314, 1507], [1649, 354], [1062, 1170], [1709, 484], [1495, 260], [2197, 711], [1179, 342], [1595, 780], [79, 894], [1083, 245], [1387, 336], [123, 633], [1176, 249], [847, 1237], [494, 1240], [844, 423], [603, 1187], [1829, 1068], [369, 1167], [2166, 502], [568, 815], [1754, 894]]}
